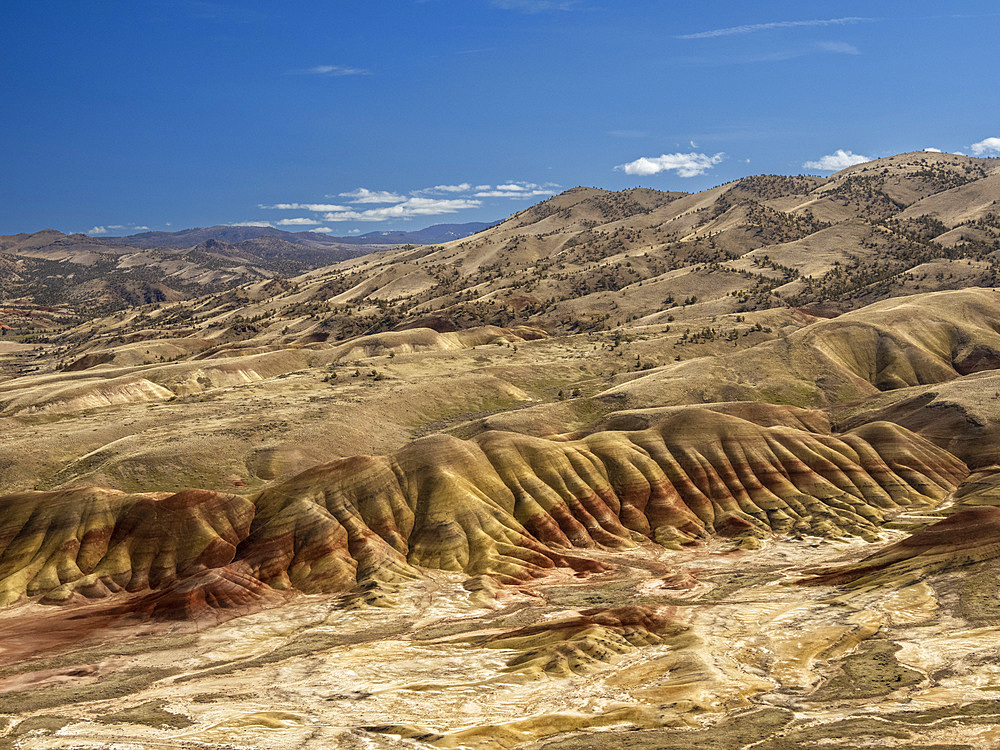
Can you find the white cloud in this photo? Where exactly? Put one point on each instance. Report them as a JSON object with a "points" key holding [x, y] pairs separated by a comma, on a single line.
{"points": [[408, 208], [322, 230], [421, 202], [515, 190], [335, 70], [839, 159], [106, 228], [932, 150], [464, 187], [251, 224], [986, 146], [686, 165], [512, 193], [318, 207], [750, 28], [354, 231], [300, 222], [364, 195], [840, 48]]}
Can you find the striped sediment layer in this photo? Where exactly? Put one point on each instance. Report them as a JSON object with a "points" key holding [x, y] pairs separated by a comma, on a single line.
{"points": [[503, 505]]}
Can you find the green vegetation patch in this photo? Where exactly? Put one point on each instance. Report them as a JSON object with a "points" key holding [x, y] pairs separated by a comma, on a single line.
{"points": [[150, 713], [871, 671], [979, 595], [115, 685], [44, 724]]}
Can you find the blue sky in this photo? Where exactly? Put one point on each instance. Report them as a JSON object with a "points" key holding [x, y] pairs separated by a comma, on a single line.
{"points": [[376, 114]]}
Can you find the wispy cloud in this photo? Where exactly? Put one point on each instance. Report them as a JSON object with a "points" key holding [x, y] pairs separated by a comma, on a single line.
{"points": [[334, 70], [839, 159], [107, 228], [407, 209], [299, 222], [516, 190], [775, 54], [535, 6], [754, 27], [364, 195], [251, 224], [388, 205], [986, 146], [322, 230], [463, 187], [318, 207], [686, 165]]}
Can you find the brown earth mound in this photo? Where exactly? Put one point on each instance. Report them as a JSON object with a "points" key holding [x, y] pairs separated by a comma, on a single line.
{"points": [[576, 644], [504, 505]]}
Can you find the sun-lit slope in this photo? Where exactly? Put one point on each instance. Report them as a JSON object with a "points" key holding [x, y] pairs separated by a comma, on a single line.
{"points": [[587, 258], [121, 381], [503, 505], [893, 344], [591, 260], [962, 415], [97, 542], [962, 204], [883, 187]]}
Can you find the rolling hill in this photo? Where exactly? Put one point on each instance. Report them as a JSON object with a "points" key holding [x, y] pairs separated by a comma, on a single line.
{"points": [[81, 276], [673, 470]]}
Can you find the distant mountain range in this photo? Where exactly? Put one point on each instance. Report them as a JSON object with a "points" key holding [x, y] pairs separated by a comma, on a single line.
{"points": [[85, 275], [234, 234]]}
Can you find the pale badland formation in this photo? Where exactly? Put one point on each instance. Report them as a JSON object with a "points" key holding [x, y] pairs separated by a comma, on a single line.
{"points": [[627, 469]]}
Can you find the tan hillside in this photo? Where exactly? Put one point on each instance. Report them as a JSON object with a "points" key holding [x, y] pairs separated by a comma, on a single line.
{"points": [[556, 484], [890, 345]]}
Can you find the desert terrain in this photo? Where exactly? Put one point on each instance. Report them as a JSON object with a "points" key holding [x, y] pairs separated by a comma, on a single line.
{"points": [[627, 469]]}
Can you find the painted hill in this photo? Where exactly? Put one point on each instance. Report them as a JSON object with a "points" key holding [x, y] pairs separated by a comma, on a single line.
{"points": [[559, 483], [507, 506]]}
